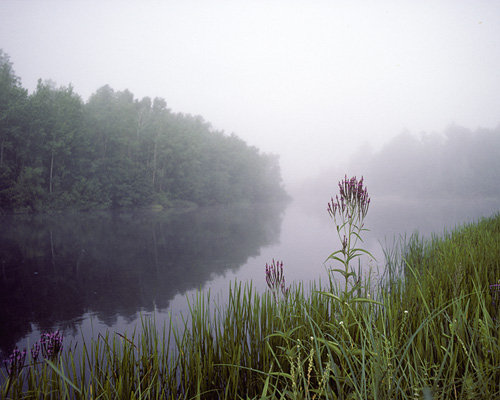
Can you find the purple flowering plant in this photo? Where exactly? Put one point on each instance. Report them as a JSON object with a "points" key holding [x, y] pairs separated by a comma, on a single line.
{"points": [[15, 363], [275, 279], [348, 211], [35, 351], [51, 344], [495, 292]]}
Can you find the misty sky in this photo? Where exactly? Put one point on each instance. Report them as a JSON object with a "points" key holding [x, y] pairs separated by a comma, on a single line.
{"points": [[309, 80]]}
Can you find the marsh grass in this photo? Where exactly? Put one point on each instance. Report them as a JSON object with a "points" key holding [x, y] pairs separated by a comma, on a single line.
{"points": [[435, 335]]}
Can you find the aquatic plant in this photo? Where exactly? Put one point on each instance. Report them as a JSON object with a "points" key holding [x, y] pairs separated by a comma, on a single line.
{"points": [[51, 344], [15, 363], [348, 213], [275, 279]]}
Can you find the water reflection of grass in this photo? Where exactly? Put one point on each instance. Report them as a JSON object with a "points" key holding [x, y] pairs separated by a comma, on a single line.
{"points": [[435, 336]]}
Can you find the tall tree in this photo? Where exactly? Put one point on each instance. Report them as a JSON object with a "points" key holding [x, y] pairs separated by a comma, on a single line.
{"points": [[12, 106], [56, 120]]}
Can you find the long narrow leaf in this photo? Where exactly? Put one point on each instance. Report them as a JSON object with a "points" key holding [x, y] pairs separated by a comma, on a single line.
{"points": [[61, 374]]}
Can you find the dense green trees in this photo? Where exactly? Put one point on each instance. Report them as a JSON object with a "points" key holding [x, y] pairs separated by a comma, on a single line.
{"points": [[57, 151], [13, 100]]}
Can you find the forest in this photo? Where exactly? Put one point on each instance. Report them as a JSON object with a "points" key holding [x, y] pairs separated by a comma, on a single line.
{"points": [[113, 151], [458, 163]]}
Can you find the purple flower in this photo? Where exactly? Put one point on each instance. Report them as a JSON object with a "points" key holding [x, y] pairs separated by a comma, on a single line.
{"points": [[15, 363], [275, 279], [35, 350], [51, 344], [354, 200]]}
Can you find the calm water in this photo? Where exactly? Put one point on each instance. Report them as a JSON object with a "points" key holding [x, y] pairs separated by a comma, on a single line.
{"points": [[86, 273]]}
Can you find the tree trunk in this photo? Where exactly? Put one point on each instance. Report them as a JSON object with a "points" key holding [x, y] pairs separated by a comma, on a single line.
{"points": [[51, 170], [154, 163]]}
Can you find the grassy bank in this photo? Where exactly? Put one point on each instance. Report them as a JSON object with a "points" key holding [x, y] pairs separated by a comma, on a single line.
{"points": [[432, 333]]}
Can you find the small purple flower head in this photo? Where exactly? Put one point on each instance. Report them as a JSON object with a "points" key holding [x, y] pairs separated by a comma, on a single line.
{"points": [[344, 243], [354, 199], [15, 363], [35, 351], [275, 279], [51, 344]]}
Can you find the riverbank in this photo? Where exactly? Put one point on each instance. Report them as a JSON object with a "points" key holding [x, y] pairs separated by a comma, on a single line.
{"points": [[431, 333]]}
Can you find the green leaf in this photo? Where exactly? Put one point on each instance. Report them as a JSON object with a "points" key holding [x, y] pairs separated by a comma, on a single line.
{"points": [[365, 300], [333, 346], [334, 257], [331, 295], [61, 374], [340, 271], [359, 352], [364, 251], [283, 374]]}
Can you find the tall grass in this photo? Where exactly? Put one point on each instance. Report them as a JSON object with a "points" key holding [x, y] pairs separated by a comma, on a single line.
{"points": [[432, 334]]}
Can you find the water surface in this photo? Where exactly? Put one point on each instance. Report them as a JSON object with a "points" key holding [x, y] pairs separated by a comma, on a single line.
{"points": [[85, 273]]}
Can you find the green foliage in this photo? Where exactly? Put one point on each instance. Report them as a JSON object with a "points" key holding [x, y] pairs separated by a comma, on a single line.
{"points": [[27, 193], [12, 107], [117, 151]]}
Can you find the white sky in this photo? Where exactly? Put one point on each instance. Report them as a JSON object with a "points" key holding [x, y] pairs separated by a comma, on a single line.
{"points": [[310, 80]]}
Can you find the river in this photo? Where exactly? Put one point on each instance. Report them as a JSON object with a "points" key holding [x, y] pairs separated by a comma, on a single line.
{"points": [[87, 273]]}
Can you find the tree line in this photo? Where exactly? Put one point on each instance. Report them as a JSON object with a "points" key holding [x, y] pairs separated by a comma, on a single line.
{"points": [[113, 151], [458, 163]]}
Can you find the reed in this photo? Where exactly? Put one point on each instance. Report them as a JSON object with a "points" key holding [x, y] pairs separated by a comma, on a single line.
{"points": [[429, 329]]}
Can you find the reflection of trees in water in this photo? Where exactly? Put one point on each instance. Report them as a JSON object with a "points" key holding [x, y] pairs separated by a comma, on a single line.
{"points": [[56, 268]]}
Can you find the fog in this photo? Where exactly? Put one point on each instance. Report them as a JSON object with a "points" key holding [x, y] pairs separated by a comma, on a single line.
{"points": [[313, 81], [458, 163]]}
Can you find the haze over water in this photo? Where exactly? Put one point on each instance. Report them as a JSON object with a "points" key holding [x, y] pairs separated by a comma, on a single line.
{"points": [[88, 273]]}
